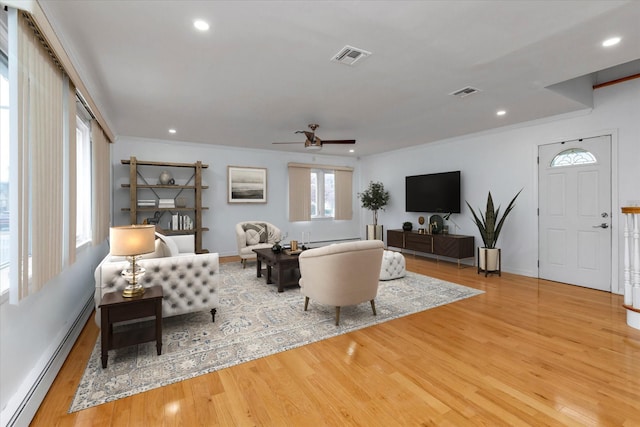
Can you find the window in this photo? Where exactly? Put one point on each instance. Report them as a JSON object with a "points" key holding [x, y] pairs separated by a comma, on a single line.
{"points": [[572, 157], [4, 156], [319, 192], [83, 182], [323, 193]]}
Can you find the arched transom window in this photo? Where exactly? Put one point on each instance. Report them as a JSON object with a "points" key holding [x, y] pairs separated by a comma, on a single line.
{"points": [[573, 156]]}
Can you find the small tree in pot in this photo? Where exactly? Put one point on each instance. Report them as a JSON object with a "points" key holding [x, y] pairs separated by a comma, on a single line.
{"points": [[490, 224], [374, 198]]}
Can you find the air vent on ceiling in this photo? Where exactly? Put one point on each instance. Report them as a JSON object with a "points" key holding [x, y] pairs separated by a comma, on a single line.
{"points": [[349, 55], [465, 92]]}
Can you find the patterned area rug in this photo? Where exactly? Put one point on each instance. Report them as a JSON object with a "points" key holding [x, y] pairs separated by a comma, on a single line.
{"points": [[253, 321]]}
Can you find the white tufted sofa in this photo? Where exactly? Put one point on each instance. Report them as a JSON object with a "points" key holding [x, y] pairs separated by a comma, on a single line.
{"points": [[393, 266], [189, 281]]}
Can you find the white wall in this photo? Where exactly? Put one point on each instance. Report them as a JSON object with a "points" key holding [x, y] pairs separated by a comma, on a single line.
{"points": [[221, 217], [504, 161], [33, 332]]}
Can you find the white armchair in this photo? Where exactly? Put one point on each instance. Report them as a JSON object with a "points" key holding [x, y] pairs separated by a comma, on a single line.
{"points": [[341, 274], [252, 235]]}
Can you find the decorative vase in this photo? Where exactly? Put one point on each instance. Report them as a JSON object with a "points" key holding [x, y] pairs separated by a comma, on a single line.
{"points": [[181, 202], [407, 227], [276, 248], [164, 178]]}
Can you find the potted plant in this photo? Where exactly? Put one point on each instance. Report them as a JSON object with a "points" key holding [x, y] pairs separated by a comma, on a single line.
{"points": [[374, 198], [490, 224]]}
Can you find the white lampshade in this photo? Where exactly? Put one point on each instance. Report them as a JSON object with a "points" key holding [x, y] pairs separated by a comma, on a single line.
{"points": [[132, 240]]}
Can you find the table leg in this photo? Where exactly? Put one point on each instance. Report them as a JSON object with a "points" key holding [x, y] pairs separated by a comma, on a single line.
{"points": [[269, 274], [280, 277], [159, 327], [258, 267], [104, 323]]}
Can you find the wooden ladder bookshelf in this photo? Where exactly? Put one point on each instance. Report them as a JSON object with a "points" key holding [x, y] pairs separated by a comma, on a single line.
{"points": [[193, 184]]}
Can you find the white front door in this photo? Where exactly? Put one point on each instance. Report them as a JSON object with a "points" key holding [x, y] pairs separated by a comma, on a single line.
{"points": [[574, 223]]}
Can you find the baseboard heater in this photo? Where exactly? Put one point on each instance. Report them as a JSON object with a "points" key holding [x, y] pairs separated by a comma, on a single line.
{"points": [[38, 390], [326, 242]]}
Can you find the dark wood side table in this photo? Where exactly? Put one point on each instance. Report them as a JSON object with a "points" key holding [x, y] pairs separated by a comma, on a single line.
{"points": [[116, 308]]}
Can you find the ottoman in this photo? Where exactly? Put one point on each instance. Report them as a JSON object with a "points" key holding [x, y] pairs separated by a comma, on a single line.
{"points": [[393, 265]]}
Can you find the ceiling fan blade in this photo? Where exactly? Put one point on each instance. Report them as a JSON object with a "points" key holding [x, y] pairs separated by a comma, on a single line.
{"points": [[286, 142], [339, 141]]}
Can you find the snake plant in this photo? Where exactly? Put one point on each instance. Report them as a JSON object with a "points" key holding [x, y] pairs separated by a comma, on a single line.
{"points": [[490, 224]]}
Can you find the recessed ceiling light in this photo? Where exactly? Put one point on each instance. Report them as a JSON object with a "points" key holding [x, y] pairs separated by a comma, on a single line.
{"points": [[172, 131], [201, 25], [501, 113], [352, 151], [611, 42]]}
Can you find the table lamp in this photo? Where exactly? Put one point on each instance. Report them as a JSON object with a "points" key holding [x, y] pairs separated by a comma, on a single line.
{"points": [[132, 241]]}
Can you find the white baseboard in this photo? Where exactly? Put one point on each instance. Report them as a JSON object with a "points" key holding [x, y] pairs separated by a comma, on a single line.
{"points": [[22, 407]]}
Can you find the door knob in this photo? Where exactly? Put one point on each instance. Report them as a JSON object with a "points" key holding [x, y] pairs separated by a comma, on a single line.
{"points": [[603, 225]]}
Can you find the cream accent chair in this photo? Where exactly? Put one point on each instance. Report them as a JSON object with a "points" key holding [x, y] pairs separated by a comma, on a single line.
{"points": [[245, 248], [341, 274]]}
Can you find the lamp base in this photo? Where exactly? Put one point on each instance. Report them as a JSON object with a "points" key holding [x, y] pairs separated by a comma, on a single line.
{"points": [[130, 291], [132, 274]]}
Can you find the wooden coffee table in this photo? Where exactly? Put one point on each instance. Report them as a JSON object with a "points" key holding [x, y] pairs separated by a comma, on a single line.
{"points": [[287, 272]]}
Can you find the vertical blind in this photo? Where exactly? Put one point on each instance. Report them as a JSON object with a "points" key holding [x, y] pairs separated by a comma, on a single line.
{"points": [[300, 191], [40, 163], [43, 128], [101, 183]]}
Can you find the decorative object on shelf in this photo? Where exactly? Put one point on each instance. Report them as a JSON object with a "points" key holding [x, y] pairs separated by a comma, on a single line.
{"points": [[181, 202], [435, 224], [490, 224], [155, 220], [165, 178], [407, 226], [132, 241], [246, 185], [277, 247], [374, 198], [421, 222]]}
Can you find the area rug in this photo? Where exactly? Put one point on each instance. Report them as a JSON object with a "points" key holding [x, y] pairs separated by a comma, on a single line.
{"points": [[253, 321]]}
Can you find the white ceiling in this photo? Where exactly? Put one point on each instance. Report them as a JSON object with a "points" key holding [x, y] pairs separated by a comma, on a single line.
{"points": [[263, 70]]}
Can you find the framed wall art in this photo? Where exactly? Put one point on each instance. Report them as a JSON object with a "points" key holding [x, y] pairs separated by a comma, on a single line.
{"points": [[246, 185]]}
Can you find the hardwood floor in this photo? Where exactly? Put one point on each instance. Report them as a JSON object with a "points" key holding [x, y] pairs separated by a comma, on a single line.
{"points": [[526, 352]]}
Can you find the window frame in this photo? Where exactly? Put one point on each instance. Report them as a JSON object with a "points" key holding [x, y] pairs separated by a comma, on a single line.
{"points": [[320, 199], [84, 194]]}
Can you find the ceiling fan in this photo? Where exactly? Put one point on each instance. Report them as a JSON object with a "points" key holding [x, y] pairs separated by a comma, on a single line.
{"points": [[315, 143]]}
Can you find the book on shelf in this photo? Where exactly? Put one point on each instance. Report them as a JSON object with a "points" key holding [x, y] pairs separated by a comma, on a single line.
{"points": [[146, 203], [166, 203], [181, 222]]}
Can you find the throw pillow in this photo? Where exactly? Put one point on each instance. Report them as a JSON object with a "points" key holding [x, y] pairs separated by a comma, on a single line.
{"points": [[255, 233]]}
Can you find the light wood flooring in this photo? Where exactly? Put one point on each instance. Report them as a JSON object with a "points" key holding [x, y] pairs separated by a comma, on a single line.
{"points": [[526, 352]]}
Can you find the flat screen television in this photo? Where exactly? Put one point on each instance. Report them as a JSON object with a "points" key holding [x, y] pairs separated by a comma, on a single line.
{"points": [[436, 192]]}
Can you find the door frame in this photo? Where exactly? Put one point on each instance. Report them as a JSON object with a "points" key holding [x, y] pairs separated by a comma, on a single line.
{"points": [[616, 286]]}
